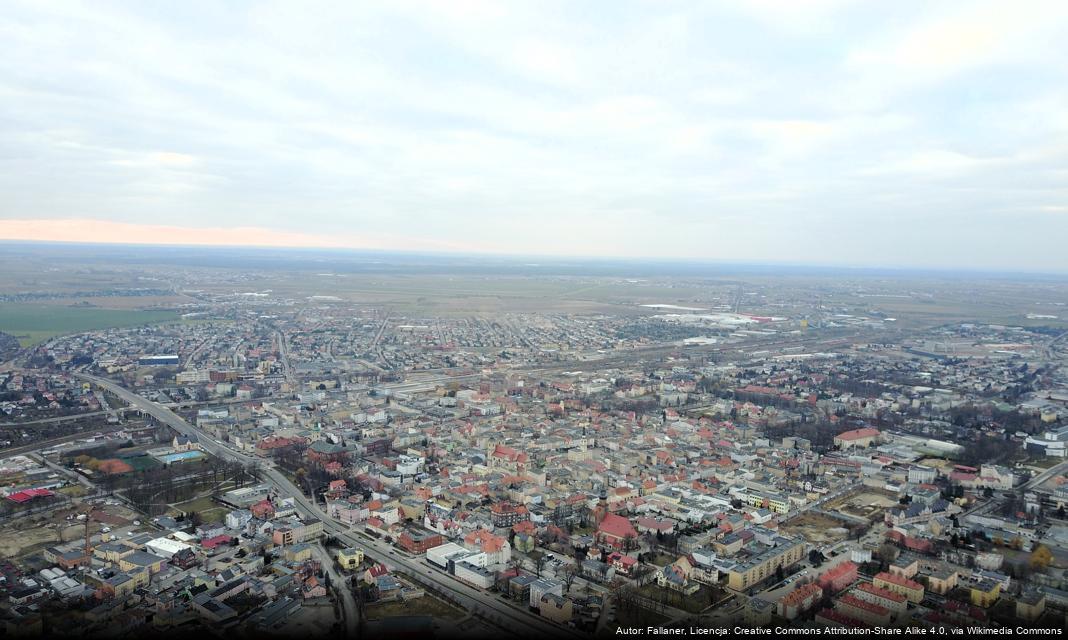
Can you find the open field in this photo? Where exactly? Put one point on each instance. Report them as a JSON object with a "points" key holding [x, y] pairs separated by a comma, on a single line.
{"points": [[34, 323], [28, 535], [209, 510], [428, 605], [817, 529], [869, 504]]}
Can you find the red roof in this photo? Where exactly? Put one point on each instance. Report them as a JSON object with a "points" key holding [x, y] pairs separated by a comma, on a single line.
{"points": [[871, 607], [858, 434], [29, 494], [882, 593], [616, 526], [216, 541], [893, 578]]}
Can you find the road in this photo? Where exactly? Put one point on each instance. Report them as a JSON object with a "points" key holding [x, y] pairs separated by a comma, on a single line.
{"points": [[1045, 476], [76, 416], [475, 601], [338, 581]]}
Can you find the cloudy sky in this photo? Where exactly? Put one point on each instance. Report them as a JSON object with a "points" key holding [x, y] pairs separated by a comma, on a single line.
{"points": [[805, 131]]}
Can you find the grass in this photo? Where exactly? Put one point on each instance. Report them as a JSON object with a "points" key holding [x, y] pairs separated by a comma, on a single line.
{"points": [[209, 510], [32, 323]]}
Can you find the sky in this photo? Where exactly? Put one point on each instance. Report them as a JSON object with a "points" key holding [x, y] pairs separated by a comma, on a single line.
{"points": [[832, 132]]}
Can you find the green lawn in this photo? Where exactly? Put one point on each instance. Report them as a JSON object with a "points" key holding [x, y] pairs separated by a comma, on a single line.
{"points": [[209, 510], [31, 323]]}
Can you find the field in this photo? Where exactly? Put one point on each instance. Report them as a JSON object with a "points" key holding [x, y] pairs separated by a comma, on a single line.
{"points": [[34, 323], [869, 504], [817, 529], [209, 510], [428, 605]]}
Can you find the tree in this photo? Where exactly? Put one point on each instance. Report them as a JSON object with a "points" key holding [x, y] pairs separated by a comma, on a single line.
{"points": [[888, 552], [570, 573], [539, 561], [1041, 558]]}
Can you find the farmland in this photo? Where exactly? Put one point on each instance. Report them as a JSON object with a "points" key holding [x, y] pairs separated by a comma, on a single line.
{"points": [[32, 323]]}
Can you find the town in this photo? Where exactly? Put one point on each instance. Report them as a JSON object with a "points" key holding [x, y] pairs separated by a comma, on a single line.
{"points": [[669, 458]]}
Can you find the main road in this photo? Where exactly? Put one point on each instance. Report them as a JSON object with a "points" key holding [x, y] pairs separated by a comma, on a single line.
{"points": [[476, 601]]}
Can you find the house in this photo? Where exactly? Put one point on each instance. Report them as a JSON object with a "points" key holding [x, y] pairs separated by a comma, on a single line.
{"points": [[623, 563], [496, 548], [238, 518], [264, 509], [350, 558], [374, 572], [182, 442], [387, 587], [676, 576], [556, 608]]}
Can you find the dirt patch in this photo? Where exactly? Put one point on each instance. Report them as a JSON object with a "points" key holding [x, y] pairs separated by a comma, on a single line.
{"points": [[816, 528]]}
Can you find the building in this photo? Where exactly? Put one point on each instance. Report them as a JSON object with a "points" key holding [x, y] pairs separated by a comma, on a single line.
{"points": [[617, 532], [417, 541], [294, 531], [895, 602], [556, 608], [758, 568], [542, 586], [506, 514], [1030, 605], [839, 577], [350, 558], [857, 438], [165, 547], [158, 361], [799, 600], [474, 575], [985, 593], [440, 554], [942, 581], [868, 612], [297, 552], [903, 586], [496, 548]]}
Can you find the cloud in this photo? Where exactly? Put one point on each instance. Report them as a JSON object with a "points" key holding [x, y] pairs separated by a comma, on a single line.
{"points": [[721, 130], [105, 231]]}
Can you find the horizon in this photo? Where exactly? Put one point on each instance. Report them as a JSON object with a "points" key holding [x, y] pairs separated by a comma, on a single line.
{"points": [[877, 135], [554, 260]]}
